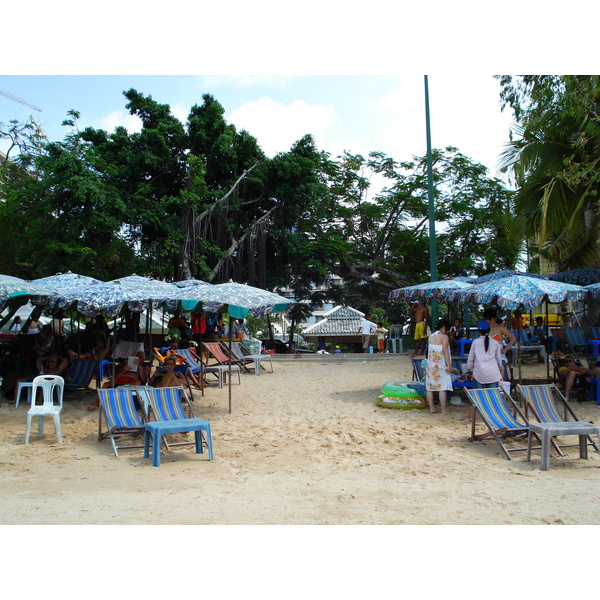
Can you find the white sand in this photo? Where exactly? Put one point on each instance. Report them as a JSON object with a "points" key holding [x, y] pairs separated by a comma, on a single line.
{"points": [[304, 445]]}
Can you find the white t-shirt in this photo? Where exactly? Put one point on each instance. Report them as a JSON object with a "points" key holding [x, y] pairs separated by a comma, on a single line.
{"points": [[367, 327]]}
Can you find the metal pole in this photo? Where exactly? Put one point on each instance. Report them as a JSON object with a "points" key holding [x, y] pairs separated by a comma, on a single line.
{"points": [[432, 244]]}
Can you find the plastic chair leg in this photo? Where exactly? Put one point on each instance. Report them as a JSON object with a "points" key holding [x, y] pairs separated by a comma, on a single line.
{"points": [[28, 429], [23, 385], [57, 428], [40, 425]]}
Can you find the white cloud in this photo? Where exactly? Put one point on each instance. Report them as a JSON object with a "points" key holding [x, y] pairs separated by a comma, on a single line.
{"points": [[277, 126], [120, 118]]}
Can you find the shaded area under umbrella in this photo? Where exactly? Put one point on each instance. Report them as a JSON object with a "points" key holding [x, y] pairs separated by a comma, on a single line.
{"points": [[236, 299]]}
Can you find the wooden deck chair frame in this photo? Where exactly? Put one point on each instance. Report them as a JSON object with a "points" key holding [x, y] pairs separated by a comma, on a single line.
{"points": [[173, 412], [492, 404], [240, 353], [544, 409], [80, 372], [117, 406]]}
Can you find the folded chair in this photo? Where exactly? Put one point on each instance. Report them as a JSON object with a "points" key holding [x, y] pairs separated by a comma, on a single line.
{"points": [[492, 405], [80, 374], [51, 386], [240, 353], [118, 407], [540, 400], [165, 407]]}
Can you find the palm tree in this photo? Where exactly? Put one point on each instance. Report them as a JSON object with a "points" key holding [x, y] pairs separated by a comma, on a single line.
{"points": [[555, 163]]}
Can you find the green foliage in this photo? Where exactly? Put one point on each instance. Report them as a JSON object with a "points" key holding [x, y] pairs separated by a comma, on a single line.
{"points": [[555, 162]]}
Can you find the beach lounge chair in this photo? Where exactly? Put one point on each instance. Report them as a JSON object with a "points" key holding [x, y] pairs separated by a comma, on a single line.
{"points": [[576, 339], [165, 406], [80, 373], [52, 386], [492, 404], [418, 373], [117, 406], [241, 353], [540, 400], [222, 366]]}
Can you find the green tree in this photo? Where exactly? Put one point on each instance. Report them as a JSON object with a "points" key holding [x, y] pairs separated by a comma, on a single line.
{"points": [[555, 162]]}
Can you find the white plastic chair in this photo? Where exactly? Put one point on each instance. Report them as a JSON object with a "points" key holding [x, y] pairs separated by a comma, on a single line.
{"points": [[48, 384]]}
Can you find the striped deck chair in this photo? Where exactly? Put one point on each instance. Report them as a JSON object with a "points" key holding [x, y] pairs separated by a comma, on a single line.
{"points": [[492, 405], [219, 353], [576, 339], [80, 374], [165, 407], [117, 405], [540, 400], [418, 373], [240, 353]]}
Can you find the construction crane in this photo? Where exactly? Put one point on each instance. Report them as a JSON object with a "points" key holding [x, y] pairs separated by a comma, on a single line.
{"points": [[19, 100]]}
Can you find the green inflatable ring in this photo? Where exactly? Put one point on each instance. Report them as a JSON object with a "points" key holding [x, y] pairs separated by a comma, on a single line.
{"points": [[397, 394], [399, 389]]}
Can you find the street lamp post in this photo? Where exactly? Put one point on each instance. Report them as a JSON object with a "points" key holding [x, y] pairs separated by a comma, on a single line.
{"points": [[432, 244]]}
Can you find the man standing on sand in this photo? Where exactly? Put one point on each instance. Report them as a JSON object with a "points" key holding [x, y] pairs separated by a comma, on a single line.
{"points": [[366, 330], [421, 314]]}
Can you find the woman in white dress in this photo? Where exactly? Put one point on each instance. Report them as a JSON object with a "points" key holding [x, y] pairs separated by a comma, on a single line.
{"points": [[439, 365]]}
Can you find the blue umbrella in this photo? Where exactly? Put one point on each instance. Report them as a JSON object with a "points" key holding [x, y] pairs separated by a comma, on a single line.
{"points": [[188, 282], [512, 292], [504, 274], [432, 289], [583, 276]]}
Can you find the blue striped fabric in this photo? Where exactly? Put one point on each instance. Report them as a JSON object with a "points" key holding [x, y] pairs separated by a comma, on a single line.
{"points": [[493, 410], [190, 360], [81, 372], [166, 403], [542, 404], [119, 407]]}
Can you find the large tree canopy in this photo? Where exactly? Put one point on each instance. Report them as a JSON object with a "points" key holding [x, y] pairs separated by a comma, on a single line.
{"points": [[202, 200]]}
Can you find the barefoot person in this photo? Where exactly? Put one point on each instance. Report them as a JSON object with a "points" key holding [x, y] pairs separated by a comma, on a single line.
{"points": [[421, 314], [439, 366], [170, 377], [484, 362]]}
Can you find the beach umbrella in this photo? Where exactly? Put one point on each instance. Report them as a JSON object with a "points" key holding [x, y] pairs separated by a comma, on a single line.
{"points": [[584, 276], [13, 289], [12, 279], [506, 273], [236, 299], [519, 290], [432, 289], [188, 282], [108, 298], [66, 281]]}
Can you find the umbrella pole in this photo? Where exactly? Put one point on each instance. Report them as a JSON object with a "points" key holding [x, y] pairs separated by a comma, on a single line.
{"points": [[230, 343], [547, 353]]}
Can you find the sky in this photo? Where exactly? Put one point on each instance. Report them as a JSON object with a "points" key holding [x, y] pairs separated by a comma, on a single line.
{"points": [[354, 113]]}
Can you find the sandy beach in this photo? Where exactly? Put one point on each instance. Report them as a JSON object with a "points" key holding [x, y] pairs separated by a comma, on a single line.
{"points": [[305, 445]]}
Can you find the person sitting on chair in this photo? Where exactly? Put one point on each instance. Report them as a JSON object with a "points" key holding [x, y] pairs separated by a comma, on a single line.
{"points": [[569, 371], [169, 377]]}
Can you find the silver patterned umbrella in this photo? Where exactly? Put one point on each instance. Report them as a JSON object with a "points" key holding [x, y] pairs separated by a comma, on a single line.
{"points": [[13, 289], [237, 299], [66, 281]]}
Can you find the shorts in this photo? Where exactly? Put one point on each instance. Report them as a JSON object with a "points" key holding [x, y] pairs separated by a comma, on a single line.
{"points": [[420, 330], [366, 341]]}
